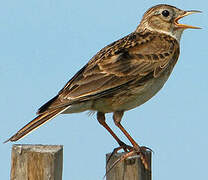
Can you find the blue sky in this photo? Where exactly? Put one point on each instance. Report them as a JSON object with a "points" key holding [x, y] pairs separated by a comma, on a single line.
{"points": [[44, 43]]}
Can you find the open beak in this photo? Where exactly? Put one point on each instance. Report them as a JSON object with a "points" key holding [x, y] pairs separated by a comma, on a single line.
{"points": [[186, 13]]}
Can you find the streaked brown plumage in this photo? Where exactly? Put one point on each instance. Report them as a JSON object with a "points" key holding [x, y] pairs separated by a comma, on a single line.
{"points": [[123, 75]]}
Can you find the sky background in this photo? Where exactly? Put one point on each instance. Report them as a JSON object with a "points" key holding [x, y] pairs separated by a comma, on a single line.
{"points": [[43, 43]]}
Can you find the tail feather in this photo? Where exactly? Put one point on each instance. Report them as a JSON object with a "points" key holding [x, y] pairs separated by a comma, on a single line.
{"points": [[35, 123], [45, 107]]}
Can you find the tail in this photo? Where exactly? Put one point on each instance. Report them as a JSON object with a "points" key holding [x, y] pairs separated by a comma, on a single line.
{"points": [[35, 123]]}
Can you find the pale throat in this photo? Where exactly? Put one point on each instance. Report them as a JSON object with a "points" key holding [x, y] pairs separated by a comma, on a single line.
{"points": [[175, 33]]}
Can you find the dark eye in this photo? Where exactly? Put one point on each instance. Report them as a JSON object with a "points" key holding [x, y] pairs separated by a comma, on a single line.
{"points": [[165, 13]]}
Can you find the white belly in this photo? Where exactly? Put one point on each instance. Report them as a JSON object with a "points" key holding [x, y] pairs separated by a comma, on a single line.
{"points": [[143, 94], [137, 97]]}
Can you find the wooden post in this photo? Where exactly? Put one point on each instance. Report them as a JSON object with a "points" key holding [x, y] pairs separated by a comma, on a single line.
{"points": [[36, 162], [129, 169]]}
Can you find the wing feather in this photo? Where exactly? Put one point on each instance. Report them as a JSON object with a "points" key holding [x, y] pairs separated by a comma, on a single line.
{"points": [[132, 58]]}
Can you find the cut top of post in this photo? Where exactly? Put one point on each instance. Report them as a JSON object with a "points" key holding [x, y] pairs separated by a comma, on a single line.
{"points": [[38, 148], [36, 162]]}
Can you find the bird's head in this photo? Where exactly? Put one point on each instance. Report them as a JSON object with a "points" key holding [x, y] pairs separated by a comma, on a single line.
{"points": [[164, 19]]}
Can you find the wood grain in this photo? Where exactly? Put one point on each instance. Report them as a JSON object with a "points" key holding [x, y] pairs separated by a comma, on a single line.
{"points": [[36, 162]]}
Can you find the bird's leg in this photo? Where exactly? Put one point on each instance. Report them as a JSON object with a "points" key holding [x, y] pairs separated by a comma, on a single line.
{"points": [[122, 145], [117, 116], [101, 120]]}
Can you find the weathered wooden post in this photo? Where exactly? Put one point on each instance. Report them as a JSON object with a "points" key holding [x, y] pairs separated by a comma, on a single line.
{"points": [[129, 169], [36, 162]]}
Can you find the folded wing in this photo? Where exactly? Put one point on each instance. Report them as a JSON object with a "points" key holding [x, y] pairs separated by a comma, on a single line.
{"points": [[132, 57]]}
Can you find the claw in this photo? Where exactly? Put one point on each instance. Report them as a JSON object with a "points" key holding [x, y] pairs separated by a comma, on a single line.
{"points": [[145, 148]]}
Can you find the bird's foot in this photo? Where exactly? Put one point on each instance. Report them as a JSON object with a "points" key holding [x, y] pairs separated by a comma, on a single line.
{"points": [[142, 153], [130, 152], [123, 146]]}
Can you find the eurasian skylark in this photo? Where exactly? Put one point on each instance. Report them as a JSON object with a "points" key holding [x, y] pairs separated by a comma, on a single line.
{"points": [[122, 75]]}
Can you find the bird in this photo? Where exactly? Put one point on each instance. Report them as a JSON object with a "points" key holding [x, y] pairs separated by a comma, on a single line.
{"points": [[123, 75]]}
